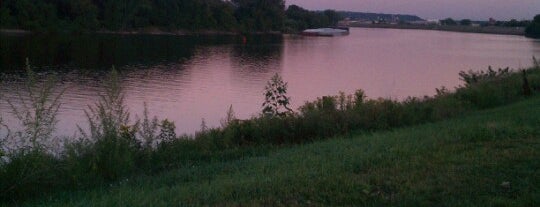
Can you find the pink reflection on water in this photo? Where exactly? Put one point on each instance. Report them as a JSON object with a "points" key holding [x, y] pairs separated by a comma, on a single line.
{"points": [[384, 63]]}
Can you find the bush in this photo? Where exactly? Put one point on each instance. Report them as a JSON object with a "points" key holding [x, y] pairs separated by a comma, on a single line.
{"points": [[113, 142], [473, 77], [533, 30], [29, 173], [488, 89]]}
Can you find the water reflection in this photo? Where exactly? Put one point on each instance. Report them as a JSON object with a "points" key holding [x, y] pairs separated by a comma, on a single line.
{"points": [[99, 51], [256, 61], [186, 79]]}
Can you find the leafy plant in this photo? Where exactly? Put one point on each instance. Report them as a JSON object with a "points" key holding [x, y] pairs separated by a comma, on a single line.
{"points": [[148, 129], [167, 132], [471, 77], [276, 102]]}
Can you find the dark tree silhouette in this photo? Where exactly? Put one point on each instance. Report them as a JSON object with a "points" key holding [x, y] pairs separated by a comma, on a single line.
{"points": [[533, 30]]}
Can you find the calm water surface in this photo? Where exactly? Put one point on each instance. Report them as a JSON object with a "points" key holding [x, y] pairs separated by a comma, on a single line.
{"points": [[187, 79]]}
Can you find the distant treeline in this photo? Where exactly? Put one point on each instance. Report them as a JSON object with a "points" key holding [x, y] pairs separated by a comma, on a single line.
{"points": [[379, 16], [468, 22], [53, 15], [125, 15]]}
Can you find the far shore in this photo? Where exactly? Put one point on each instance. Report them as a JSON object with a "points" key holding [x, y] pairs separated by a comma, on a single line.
{"points": [[466, 29], [144, 31], [14, 31], [154, 31]]}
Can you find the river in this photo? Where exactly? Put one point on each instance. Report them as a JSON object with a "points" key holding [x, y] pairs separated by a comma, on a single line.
{"points": [[188, 79]]}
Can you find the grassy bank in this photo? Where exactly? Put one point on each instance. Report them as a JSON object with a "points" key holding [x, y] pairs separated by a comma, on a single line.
{"points": [[116, 148], [489, 158], [466, 29]]}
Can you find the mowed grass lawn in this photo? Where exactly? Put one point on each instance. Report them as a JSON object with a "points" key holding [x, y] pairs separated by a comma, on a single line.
{"points": [[487, 158]]}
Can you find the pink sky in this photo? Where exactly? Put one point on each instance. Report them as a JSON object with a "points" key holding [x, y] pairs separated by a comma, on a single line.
{"points": [[434, 9]]}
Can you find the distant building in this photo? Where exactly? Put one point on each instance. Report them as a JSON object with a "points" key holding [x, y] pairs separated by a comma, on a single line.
{"points": [[492, 21], [425, 22], [434, 22], [422, 22]]}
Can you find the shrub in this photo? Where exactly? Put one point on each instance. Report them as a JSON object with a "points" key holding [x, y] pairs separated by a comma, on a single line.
{"points": [[491, 88], [113, 142], [167, 131], [28, 167], [114, 156], [472, 77], [29, 173], [276, 101], [78, 162], [183, 151]]}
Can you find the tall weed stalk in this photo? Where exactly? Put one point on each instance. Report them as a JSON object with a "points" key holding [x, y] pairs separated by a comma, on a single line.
{"points": [[112, 142], [148, 129], [109, 114], [36, 107], [27, 161]]}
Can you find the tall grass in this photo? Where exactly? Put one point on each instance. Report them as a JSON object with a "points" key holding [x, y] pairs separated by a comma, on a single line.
{"points": [[28, 166], [489, 158], [4, 129], [113, 147], [36, 110]]}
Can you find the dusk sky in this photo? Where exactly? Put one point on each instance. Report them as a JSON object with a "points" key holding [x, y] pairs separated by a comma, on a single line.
{"points": [[434, 9]]}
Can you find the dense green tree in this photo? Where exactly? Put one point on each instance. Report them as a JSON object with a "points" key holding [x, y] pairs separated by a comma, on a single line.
{"points": [[533, 30], [223, 13], [5, 18], [82, 13], [260, 15], [512, 23], [333, 17], [516, 23], [299, 18], [30, 14], [448, 21], [122, 15], [296, 18], [465, 22]]}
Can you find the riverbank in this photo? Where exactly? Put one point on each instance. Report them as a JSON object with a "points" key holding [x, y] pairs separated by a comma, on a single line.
{"points": [[14, 32], [465, 29], [113, 152], [153, 31], [148, 31], [489, 158]]}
